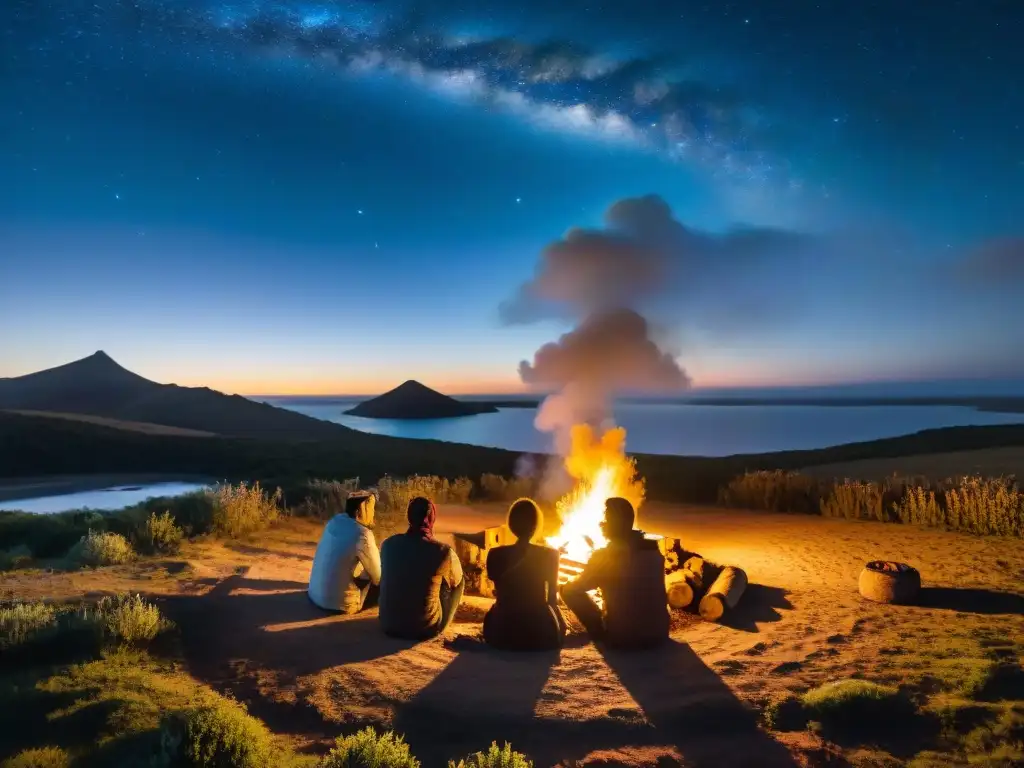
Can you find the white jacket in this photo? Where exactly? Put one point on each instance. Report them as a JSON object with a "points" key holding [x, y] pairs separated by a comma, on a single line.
{"points": [[346, 550]]}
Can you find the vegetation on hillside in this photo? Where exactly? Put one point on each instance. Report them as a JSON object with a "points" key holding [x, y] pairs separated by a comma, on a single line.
{"points": [[972, 504]]}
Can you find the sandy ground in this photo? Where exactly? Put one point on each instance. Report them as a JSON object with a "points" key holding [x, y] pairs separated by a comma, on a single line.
{"points": [[247, 627]]}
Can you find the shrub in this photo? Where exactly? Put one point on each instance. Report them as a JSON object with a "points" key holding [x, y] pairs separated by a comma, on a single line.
{"points": [[158, 534], [239, 510], [396, 493], [20, 622], [854, 500], [324, 499], [43, 757], [369, 749], [99, 549], [129, 620], [1000, 745], [773, 490], [15, 557], [857, 705], [498, 488], [495, 757], [220, 734]]}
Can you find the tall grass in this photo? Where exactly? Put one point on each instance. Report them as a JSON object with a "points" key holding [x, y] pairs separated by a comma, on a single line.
{"points": [[243, 509], [395, 493], [322, 499], [19, 622], [972, 504], [774, 490], [497, 488]]}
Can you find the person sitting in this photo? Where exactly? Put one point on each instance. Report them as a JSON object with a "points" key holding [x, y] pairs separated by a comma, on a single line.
{"points": [[422, 580], [630, 572], [346, 567], [525, 614]]}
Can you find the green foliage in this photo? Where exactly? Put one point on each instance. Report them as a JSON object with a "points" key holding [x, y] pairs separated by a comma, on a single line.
{"points": [[44, 757], [1000, 745], [129, 620], [16, 557], [21, 622], [158, 534], [97, 549], [369, 749], [497, 488], [218, 734], [243, 509], [858, 705], [774, 490], [494, 757]]}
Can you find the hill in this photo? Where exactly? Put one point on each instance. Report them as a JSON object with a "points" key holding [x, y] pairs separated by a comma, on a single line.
{"points": [[98, 386], [413, 400]]}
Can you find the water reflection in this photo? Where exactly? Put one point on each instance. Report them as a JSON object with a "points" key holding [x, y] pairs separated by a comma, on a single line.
{"points": [[115, 497]]}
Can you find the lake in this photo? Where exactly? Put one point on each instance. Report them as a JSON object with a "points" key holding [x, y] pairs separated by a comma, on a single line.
{"points": [[115, 497], [676, 428]]}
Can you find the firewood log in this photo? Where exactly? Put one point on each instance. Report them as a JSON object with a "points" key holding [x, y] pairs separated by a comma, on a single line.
{"points": [[681, 589], [724, 592]]}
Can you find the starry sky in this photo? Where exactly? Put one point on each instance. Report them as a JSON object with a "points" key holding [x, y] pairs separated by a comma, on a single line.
{"points": [[332, 197]]}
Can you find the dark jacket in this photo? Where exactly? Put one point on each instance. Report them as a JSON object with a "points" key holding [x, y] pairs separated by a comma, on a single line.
{"points": [[631, 576]]}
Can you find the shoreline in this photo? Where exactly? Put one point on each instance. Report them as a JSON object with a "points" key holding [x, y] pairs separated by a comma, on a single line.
{"points": [[17, 489], [1008, 404]]}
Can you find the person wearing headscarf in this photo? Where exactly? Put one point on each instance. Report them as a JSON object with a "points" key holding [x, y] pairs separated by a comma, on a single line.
{"points": [[421, 578], [346, 567], [630, 572], [525, 615]]}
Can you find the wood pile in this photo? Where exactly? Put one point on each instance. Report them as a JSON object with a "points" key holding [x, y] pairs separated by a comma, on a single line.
{"points": [[700, 586]]}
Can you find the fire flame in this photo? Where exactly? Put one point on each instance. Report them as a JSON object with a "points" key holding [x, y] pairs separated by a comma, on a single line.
{"points": [[601, 470]]}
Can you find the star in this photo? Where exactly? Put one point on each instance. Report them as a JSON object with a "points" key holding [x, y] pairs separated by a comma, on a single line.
{"points": [[117, 197], [360, 211], [519, 199]]}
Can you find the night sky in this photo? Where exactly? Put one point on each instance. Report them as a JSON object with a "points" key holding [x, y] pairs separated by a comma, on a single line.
{"points": [[275, 197]]}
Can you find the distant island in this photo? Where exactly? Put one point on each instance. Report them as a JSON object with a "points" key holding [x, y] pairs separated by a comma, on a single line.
{"points": [[412, 400]]}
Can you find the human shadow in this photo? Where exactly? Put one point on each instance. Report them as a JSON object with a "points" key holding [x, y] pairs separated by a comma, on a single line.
{"points": [[981, 601], [688, 704], [759, 604], [272, 627], [248, 549], [500, 688]]}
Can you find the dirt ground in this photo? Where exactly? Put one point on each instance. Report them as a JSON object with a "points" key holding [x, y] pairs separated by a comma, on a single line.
{"points": [[248, 628]]}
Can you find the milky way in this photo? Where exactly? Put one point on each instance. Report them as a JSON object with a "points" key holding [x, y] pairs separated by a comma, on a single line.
{"points": [[650, 103]]}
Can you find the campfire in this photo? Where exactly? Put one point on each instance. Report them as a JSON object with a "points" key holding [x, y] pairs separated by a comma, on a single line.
{"points": [[599, 469]]}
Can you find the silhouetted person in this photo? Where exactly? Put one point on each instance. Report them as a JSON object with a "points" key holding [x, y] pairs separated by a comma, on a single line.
{"points": [[421, 582], [525, 614], [346, 567], [630, 572]]}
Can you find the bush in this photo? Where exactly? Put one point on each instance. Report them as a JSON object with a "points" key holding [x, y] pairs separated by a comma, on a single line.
{"points": [[158, 534], [495, 757], [774, 490], [498, 488], [129, 620], [44, 757], [1000, 745], [368, 749], [323, 499], [858, 705], [21, 622], [854, 500], [240, 510], [99, 549], [15, 557], [220, 734]]}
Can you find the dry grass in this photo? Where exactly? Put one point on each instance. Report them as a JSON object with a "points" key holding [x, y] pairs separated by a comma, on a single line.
{"points": [[497, 488], [241, 510], [396, 493], [972, 504], [100, 548]]}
